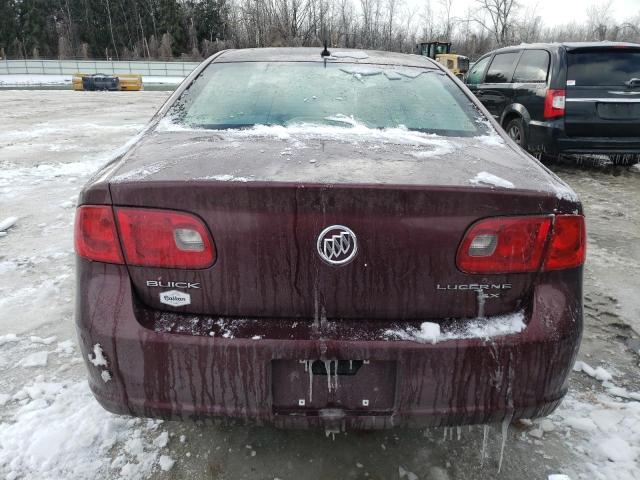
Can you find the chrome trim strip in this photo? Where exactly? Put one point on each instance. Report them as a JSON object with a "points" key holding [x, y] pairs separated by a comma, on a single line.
{"points": [[604, 100]]}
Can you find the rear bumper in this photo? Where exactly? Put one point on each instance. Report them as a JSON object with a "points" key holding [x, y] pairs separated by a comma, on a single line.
{"points": [[550, 137], [158, 373]]}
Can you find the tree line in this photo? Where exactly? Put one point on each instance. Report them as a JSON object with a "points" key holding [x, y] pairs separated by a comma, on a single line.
{"points": [[194, 29]]}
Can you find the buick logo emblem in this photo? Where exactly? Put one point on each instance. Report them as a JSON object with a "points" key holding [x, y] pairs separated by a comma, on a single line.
{"points": [[337, 245]]}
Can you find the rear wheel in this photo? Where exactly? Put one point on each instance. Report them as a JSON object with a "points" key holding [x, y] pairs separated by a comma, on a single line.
{"points": [[515, 130]]}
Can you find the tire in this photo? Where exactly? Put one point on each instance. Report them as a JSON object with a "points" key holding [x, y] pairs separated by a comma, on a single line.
{"points": [[516, 131]]}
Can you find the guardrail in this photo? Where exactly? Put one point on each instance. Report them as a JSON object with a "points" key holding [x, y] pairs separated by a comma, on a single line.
{"points": [[69, 67]]}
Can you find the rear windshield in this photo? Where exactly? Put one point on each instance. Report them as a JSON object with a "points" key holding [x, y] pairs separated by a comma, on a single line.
{"points": [[603, 67], [237, 95]]}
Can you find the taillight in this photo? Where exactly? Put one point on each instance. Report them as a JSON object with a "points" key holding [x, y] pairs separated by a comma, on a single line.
{"points": [[568, 246], [504, 244], [554, 103], [95, 235], [523, 244], [164, 238]]}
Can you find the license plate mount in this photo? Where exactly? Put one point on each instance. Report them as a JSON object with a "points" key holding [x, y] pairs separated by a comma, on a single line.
{"points": [[346, 384]]}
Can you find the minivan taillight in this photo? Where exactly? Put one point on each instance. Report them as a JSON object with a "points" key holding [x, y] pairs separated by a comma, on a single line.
{"points": [[164, 238], [523, 244], [554, 103], [95, 235]]}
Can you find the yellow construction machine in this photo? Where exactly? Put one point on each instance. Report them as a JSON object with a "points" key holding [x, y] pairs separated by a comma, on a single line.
{"points": [[441, 53]]}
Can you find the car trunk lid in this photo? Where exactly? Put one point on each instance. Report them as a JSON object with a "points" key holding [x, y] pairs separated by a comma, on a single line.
{"points": [[266, 201]]}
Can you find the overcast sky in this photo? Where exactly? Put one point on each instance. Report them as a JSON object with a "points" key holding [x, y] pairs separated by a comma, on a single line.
{"points": [[553, 12]]}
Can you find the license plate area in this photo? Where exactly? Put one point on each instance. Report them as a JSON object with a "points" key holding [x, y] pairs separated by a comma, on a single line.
{"points": [[358, 385], [619, 111]]}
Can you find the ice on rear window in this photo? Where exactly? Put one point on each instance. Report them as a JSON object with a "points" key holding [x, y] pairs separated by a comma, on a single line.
{"points": [[355, 54], [242, 95]]}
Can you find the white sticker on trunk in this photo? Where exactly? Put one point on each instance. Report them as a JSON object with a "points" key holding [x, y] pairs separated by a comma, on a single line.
{"points": [[175, 298], [571, 83]]}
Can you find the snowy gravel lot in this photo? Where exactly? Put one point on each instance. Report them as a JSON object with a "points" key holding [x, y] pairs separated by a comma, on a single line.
{"points": [[52, 428]]}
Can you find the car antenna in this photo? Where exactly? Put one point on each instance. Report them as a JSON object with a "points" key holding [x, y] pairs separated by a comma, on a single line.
{"points": [[325, 52]]}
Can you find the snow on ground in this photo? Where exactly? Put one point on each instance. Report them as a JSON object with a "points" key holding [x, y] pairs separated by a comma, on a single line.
{"points": [[31, 79], [52, 428], [50, 425]]}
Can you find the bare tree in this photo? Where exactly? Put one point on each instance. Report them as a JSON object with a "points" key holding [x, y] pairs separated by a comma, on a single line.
{"points": [[446, 6], [500, 14], [599, 20]]}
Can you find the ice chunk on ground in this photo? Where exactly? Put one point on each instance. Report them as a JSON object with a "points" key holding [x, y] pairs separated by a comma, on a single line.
{"points": [[166, 463], [106, 376], [622, 392], [617, 449], [161, 440], [37, 359], [598, 373], [536, 433], [43, 341], [7, 223], [547, 425], [558, 476], [9, 338], [583, 424], [98, 358], [65, 347], [486, 178]]}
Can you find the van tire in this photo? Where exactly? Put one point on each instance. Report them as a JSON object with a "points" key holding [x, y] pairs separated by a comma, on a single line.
{"points": [[516, 130]]}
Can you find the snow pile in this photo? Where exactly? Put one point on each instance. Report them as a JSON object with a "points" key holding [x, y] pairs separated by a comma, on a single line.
{"points": [[482, 328], [79, 438], [605, 433], [486, 178]]}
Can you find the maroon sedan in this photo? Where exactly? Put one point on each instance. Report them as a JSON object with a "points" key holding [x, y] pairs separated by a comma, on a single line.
{"points": [[345, 239]]}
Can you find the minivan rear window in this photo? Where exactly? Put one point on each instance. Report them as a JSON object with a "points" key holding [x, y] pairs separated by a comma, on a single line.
{"points": [[603, 67], [244, 94]]}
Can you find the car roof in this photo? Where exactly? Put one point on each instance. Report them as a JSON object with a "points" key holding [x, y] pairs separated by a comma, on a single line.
{"points": [[312, 54], [568, 45]]}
